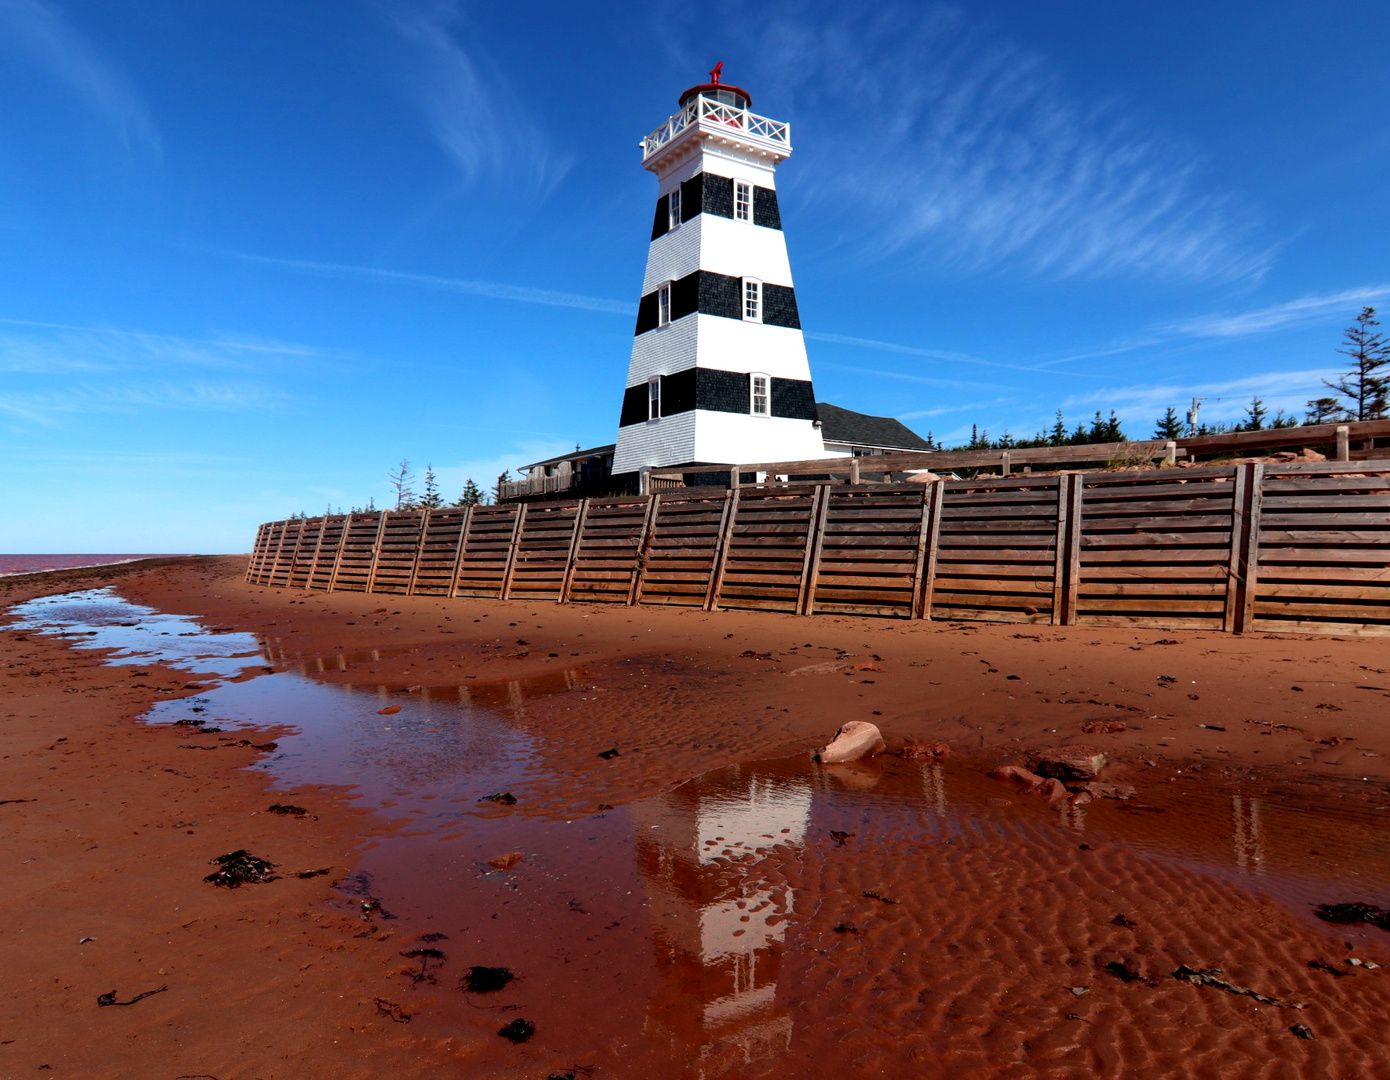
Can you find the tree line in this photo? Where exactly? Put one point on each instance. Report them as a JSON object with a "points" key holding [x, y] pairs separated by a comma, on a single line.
{"points": [[1362, 392]]}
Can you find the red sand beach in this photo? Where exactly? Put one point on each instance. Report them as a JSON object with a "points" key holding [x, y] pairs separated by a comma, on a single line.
{"points": [[705, 901]]}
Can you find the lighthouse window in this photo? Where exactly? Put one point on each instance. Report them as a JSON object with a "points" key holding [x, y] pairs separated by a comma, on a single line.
{"points": [[752, 300], [759, 386], [663, 305], [743, 201], [674, 203], [654, 398]]}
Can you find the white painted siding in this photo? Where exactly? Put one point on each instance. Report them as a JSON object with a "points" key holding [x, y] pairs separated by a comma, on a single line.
{"points": [[738, 438], [734, 345], [665, 350], [724, 344], [668, 441], [742, 249], [675, 254], [721, 160]]}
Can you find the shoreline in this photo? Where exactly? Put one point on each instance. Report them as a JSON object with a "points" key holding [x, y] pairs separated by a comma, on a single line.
{"points": [[678, 693]]}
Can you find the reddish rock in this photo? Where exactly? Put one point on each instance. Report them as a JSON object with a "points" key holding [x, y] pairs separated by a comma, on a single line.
{"points": [[1016, 774], [1103, 727], [1054, 791], [856, 739], [1069, 762]]}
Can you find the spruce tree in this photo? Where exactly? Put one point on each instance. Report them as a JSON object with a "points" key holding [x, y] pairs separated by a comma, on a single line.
{"points": [[1169, 426], [1324, 410], [471, 496], [504, 478], [1255, 415], [1058, 436], [1366, 387], [430, 499]]}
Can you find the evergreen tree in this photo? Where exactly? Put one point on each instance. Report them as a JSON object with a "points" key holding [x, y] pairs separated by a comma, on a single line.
{"points": [[1324, 410], [402, 483], [1169, 426], [471, 496], [431, 499], [1366, 387], [504, 478], [1079, 436], [1254, 415], [1097, 434], [1283, 420], [1058, 435]]}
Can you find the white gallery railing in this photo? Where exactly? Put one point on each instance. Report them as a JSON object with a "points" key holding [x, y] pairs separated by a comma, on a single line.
{"points": [[708, 110]]}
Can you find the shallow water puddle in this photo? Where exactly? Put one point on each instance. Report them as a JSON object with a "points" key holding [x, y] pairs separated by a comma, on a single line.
{"points": [[729, 922]]}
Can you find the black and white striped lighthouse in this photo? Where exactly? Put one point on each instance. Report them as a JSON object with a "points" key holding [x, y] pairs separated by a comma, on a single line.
{"points": [[719, 373]]}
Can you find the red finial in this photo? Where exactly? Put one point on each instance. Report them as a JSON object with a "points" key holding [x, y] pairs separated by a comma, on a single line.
{"points": [[714, 75]]}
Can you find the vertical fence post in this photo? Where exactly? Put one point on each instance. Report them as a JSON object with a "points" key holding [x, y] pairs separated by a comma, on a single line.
{"points": [[567, 584], [1343, 442], [459, 551], [854, 470], [815, 540], [644, 542], [930, 547], [420, 538], [721, 550], [256, 551], [1071, 544], [338, 555], [376, 549], [1246, 503], [1239, 480], [505, 592]]}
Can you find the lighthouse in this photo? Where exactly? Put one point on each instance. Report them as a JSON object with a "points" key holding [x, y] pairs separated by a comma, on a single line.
{"points": [[718, 373]]}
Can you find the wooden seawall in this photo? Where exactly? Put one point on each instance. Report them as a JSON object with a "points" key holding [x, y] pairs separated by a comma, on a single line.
{"points": [[1301, 548]]}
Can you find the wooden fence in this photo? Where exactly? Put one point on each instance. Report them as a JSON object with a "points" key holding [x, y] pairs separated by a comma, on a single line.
{"points": [[1254, 547]]}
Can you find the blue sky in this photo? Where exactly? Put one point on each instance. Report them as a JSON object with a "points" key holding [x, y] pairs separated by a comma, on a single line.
{"points": [[254, 253]]}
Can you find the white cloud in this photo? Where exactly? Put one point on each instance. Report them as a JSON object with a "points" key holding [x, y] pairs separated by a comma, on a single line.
{"points": [[1291, 313], [44, 348], [45, 407], [1221, 401], [44, 33], [937, 138], [492, 289], [471, 109]]}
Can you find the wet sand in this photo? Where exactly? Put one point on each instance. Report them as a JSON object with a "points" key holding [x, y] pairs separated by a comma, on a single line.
{"points": [[1261, 766]]}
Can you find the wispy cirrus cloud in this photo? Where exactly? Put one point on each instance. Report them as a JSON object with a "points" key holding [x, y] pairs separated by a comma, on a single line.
{"points": [[40, 30], [472, 111], [495, 290], [1223, 400], [939, 140], [45, 348], [1305, 309], [46, 406]]}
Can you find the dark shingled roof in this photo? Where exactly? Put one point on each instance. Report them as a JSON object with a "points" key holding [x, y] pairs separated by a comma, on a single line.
{"points": [[575, 455], [844, 426]]}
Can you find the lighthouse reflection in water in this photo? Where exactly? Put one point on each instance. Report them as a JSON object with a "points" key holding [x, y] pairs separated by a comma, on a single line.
{"points": [[714, 854], [726, 864]]}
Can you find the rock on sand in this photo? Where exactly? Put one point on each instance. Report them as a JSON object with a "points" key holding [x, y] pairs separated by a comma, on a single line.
{"points": [[856, 739]]}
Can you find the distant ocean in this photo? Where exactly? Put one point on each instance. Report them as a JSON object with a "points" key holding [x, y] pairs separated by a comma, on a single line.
{"points": [[38, 564]]}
